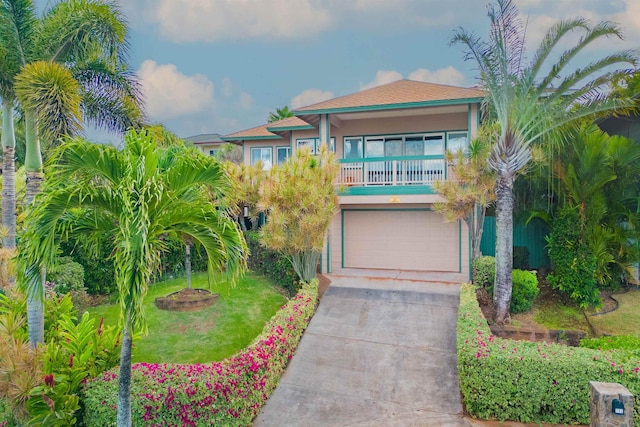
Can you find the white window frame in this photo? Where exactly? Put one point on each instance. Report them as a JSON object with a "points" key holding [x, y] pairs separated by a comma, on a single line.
{"points": [[266, 163], [283, 147], [314, 143]]}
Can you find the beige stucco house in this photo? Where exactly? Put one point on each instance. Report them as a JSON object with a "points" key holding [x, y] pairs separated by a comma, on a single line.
{"points": [[391, 141], [207, 143]]}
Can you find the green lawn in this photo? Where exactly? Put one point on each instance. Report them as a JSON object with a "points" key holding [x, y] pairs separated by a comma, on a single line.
{"points": [[211, 334], [624, 320]]}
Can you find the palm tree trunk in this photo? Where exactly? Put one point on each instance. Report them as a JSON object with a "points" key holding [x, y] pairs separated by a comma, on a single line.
{"points": [[8, 175], [33, 164], [123, 418], [504, 248], [187, 264]]}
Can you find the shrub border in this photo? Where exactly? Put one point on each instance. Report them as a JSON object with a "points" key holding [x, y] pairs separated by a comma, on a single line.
{"points": [[532, 382], [230, 392]]}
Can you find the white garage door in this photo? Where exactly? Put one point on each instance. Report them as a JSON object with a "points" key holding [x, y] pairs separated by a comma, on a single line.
{"points": [[402, 239]]}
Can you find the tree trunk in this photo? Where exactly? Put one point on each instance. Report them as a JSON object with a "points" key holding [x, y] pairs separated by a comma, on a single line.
{"points": [[477, 231], [123, 418], [8, 175], [504, 248], [35, 299], [187, 264]]}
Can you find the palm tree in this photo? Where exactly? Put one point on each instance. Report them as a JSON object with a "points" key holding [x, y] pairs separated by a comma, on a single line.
{"points": [[64, 68], [132, 198], [529, 105], [279, 114]]}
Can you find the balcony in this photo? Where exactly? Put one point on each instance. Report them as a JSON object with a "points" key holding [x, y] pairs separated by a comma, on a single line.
{"points": [[415, 174]]}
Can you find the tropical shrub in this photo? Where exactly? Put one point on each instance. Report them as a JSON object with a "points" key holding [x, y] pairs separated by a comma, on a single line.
{"points": [[43, 386], [574, 265], [66, 275], [484, 271], [98, 267], [525, 290], [531, 381], [230, 392], [272, 264]]}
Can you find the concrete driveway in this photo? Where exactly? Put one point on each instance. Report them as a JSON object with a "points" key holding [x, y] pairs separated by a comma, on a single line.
{"points": [[378, 352]]}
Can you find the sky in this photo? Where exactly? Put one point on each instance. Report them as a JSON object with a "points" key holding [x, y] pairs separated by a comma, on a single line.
{"points": [[220, 66]]}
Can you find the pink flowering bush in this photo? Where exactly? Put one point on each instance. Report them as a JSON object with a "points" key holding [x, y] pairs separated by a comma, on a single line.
{"points": [[230, 392], [529, 381]]}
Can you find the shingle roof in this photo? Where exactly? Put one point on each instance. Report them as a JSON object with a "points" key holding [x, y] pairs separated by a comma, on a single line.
{"points": [[266, 131], [258, 132], [205, 138], [289, 123], [395, 94]]}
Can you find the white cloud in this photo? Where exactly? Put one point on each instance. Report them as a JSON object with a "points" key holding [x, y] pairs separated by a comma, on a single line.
{"points": [[310, 96], [382, 78], [246, 101], [445, 76], [226, 88], [211, 20], [168, 93]]}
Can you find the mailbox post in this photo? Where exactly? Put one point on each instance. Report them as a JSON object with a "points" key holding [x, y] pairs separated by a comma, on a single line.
{"points": [[611, 405]]}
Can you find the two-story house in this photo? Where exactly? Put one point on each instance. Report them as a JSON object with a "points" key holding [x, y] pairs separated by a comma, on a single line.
{"points": [[391, 142]]}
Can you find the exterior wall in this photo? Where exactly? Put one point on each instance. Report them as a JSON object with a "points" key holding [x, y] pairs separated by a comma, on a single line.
{"points": [[205, 148], [273, 143]]}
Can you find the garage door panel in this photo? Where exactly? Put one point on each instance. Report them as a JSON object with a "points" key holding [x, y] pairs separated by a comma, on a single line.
{"points": [[408, 240]]}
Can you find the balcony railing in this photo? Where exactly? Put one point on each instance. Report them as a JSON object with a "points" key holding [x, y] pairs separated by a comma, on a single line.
{"points": [[415, 170]]}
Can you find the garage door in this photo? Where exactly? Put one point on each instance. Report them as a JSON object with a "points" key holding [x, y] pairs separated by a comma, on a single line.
{"points": [[407, 240]]}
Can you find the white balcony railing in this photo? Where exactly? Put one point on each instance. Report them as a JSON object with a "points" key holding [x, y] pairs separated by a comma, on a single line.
{"points": [[392, 171]]}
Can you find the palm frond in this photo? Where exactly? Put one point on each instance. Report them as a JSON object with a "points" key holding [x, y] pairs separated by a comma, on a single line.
{"points": [[49, 92]]}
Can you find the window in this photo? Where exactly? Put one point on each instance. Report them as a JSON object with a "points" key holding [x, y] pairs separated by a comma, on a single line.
{"points": [[314, 144], [457, 141], [213, 153], [395, 146], [434, 145], [353, 148], [282, 154], [263, 155]]}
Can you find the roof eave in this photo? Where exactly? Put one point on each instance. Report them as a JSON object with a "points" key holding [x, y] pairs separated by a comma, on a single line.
{"points": [[382, 107]]}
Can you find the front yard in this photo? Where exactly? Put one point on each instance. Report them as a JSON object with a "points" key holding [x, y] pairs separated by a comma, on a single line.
{"points": [[211, 334]]}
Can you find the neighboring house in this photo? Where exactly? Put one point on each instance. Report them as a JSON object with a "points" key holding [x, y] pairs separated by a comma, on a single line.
{"points": [[207, 143], [391, 142]]}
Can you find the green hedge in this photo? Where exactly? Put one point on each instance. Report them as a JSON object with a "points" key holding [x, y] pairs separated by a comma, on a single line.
{"points": [[484, 271], [532, 382], [524, 291], [226, 393], [271, 264]]}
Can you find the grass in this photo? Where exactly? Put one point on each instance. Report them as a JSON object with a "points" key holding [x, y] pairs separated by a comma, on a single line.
{"points": [[560, 316], [211, 334], [624, 320]]}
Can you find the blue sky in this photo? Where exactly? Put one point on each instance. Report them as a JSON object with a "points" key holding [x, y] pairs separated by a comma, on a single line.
{"points": [[222, 65]]}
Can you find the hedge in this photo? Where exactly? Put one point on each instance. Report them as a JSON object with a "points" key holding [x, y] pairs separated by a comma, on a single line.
{"points": [[528, 381], [230, 392], [272, 264]]}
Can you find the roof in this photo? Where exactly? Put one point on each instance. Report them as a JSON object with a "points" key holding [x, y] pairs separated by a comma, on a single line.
{"points": [[269, 130], [205, 138], [398, 94]]}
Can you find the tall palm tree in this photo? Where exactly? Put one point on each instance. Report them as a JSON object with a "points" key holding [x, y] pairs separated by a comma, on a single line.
{"points": [[68, 66], [530, 105], [132, 198]]}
